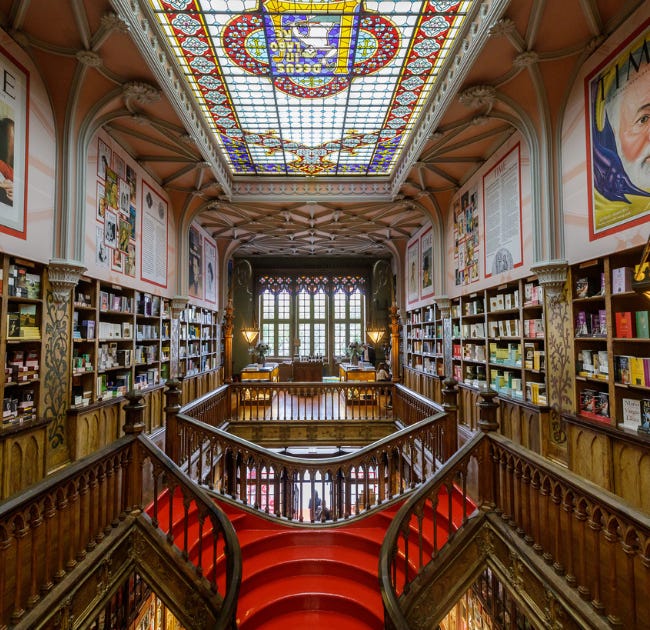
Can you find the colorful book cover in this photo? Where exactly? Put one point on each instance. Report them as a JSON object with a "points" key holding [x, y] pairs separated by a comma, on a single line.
{"points": [[624, 327], [637, 374], [642, 328]]}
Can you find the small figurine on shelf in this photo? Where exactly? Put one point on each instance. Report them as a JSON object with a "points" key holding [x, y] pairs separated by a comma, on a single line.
{"points": [[355, 349]]}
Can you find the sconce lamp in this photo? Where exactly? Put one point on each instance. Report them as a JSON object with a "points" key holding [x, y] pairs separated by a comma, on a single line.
{"points": [[250, 334], [641, 277], [375, 334]]}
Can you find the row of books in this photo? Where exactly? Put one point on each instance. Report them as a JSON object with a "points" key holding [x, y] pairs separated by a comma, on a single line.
{"points": [[146, 354], [632, 324], [110, 330], [22, 281], [115, 302], [594, 404], [533, 294], [146, 331], [150, 305], [636, 414], [591, 324], [504, 301], [473, 307], [593, 364], [196, 316], [22, 323], [632, 370], [588, 286], [19, 407], [504, 328]]}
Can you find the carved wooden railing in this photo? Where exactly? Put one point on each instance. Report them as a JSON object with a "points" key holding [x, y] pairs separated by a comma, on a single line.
{"points": [[51, 535], [598, 544]]}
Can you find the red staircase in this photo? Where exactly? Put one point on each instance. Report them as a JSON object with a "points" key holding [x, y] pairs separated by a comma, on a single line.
{"points": [[310, 577]]}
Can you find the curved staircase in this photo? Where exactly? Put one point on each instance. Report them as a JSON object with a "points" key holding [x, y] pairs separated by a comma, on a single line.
{"points": [[312, 577]]}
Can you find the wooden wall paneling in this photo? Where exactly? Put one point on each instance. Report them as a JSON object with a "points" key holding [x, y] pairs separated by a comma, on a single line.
{"points": [[590, 455]]}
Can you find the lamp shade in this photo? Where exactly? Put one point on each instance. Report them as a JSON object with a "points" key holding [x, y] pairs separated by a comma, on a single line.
{"points": [[250, 334], [375, 334]]}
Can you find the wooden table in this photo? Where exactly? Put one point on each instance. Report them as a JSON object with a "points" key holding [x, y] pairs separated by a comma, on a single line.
{"points": [[357, 373], [254, 372]]}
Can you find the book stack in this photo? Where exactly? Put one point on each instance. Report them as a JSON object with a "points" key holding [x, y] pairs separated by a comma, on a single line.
{"points": [[594, 404], [28, 327]]}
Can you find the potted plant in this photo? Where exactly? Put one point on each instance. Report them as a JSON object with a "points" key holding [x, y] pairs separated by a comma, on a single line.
{"points": [[355, 350]]}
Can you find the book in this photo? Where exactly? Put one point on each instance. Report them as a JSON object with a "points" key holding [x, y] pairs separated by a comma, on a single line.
{"points": [[621, 280], [582, 327], [644, 420], [631, 412], [13, 324], [624, 325], [642, 328], [637, 373], [103, 301], [582, 287], [622, 369]]}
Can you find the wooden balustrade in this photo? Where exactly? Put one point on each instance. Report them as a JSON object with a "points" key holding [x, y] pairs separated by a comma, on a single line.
{"points": [[596, 542], [59, 526]]}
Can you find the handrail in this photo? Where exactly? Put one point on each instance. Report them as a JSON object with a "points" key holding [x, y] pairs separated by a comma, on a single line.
{"points": [[405, 553], [278, 484], [48, 532], [587, 535]]}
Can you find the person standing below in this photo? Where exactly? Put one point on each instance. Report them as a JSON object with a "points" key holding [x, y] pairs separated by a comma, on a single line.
{"points": [[383, 374]]}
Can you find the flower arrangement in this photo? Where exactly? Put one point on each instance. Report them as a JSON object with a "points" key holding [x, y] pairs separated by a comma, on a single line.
{"points": [[259, 350], [355, 349]]}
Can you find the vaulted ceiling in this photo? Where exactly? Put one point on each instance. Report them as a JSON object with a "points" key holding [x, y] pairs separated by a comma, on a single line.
{"points": [[105, 61]]}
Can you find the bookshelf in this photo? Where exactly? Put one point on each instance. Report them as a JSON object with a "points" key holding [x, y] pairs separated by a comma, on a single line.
{"points": [[611, 342], [22, 321], [199, 343]]}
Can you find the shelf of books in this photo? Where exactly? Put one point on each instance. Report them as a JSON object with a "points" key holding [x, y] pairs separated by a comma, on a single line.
{"points": [[120, 341], [611, 342], [22, 309], [199, 344]]}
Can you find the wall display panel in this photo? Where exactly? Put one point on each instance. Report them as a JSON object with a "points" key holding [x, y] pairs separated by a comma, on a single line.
{"points": [[502, 215], [195, 263], [413, 272], [426, 266], [466, 237], [155, 232], [617, 137], [14, 139], [210, 272]]}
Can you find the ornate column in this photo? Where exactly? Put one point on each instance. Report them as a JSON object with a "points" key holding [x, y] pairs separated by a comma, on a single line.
{"points": [[179, 303], [63, 276], [393, 322], [228, 327], [552, 276]]}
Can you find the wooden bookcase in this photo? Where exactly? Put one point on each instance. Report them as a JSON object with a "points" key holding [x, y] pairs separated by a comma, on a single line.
{"points": [[424, 349], [200, 344], [611, 342]]}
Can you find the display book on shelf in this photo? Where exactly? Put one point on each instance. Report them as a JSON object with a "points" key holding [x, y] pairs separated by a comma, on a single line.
{"points": [[424, 345], [120, 341], [611, 342], [199, 344], [21, 286], [498, 340]]}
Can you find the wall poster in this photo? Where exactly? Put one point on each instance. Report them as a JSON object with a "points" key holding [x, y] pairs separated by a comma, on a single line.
{"points": [[153, 263], [466, 234], [195, 264], [413, 272], [426, 267], [210, 272], [618, 139], [14, 138], [502, 215]]}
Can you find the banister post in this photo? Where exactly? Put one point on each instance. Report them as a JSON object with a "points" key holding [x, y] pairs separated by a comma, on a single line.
{"points": [[487, 422], [450, 405], [173, 395], [134, 425]]}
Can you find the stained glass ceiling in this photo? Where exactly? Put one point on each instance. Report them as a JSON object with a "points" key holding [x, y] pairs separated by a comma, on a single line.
{"points": [[311, 88]]}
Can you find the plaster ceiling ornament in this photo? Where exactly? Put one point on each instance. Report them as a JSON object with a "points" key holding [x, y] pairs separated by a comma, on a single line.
{"points": [[114, 22], [478, 96], [89, 58], [525, 59], [505, 26], [140, 92]]}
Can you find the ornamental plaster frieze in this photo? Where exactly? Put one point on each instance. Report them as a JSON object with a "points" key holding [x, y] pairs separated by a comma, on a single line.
{"points": [[313, 189]]}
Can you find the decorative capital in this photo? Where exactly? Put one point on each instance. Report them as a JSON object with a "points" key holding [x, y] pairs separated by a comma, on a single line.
{"points": [[525, 59], [504, 26], [113, 22], [552, 275], [89, 58], [140, 92], [64, 276], [444, 305], [179, 303]]}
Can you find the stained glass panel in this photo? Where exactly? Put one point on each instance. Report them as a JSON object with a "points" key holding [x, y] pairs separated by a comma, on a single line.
{"points": [[311, 87]]}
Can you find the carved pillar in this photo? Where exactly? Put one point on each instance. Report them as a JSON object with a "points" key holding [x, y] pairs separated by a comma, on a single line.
{"points": [[134, 425], [228, 327], [63, 276], [173, 395], [178, 305], [450, 405], [393, 317], [487, 415]]}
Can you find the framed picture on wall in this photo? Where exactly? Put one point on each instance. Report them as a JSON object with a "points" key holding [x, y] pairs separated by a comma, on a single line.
{"points": [[195, 264], [616, 94], [210, 271], [426, 266], [104, 158], [413, 272], [14, 105]]}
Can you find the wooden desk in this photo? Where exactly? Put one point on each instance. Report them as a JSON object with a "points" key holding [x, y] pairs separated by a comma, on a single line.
{"points": [[349, 372], [307, 371], [255, 372], [358, 374]]}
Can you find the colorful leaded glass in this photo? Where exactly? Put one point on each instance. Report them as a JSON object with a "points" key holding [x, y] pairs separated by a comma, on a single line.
{"points": [[311, 87]]}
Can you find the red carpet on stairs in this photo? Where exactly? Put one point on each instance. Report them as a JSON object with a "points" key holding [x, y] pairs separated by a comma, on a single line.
{"points": [[317, 578]]}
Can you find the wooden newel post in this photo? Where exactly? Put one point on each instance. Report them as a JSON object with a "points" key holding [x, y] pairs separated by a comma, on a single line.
{"points": [[173, 395], [450, 405], [488, 468], [487, 416], [134, 425]]}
